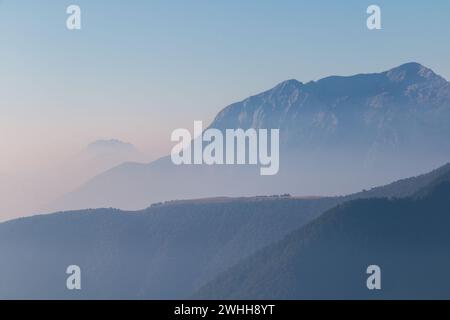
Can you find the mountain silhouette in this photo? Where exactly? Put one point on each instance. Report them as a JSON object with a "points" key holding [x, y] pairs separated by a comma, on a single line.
{"points": [[164, 252], [327, 259], [171, 250], [338, 135]]}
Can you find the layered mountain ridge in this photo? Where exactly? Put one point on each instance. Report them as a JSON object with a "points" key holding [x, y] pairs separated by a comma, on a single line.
{"points": [[406, 238], [338, 135], [179, 248]]}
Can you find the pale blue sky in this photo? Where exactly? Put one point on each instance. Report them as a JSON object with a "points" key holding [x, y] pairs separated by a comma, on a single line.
{"points": [[139, 69]]}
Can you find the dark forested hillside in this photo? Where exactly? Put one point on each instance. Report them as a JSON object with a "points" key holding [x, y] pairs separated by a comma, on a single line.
{"points": [[166, 251], [172, 249], [327, 259], [406, 187]]}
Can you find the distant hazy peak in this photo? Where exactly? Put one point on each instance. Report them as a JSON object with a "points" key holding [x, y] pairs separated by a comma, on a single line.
{"points": [[111, 144]]}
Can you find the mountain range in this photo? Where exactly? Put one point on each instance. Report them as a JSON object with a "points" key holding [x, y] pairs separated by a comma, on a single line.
{"points": [[327, 259], [239, 235], [261, 247], [338, 135]]}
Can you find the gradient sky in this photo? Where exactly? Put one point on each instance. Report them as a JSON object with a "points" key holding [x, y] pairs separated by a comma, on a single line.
{"points": [[139, 69]]}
